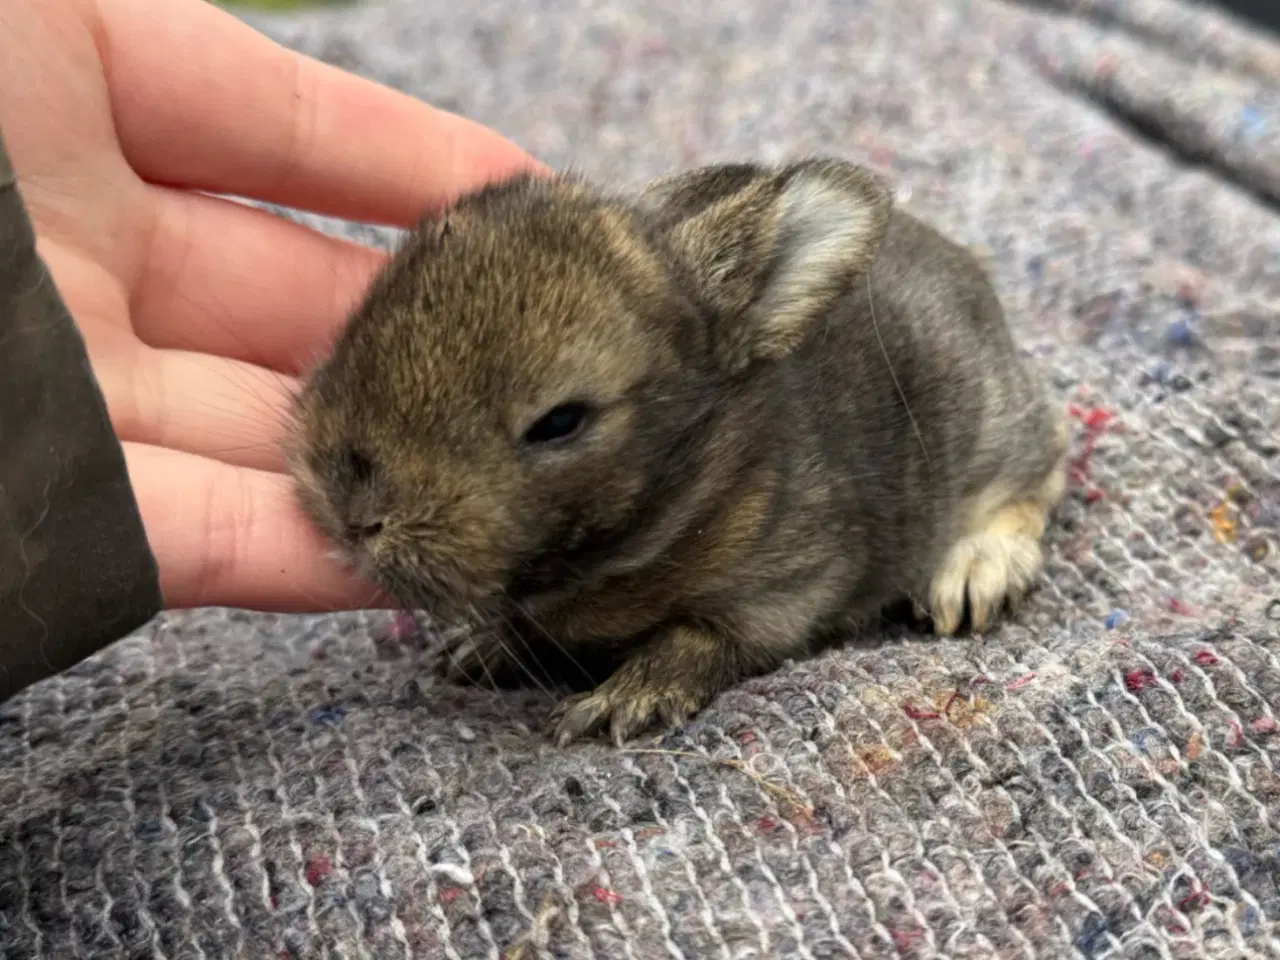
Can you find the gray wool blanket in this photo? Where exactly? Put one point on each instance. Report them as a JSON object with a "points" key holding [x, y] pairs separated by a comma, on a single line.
{"points": [[1099, 777]]}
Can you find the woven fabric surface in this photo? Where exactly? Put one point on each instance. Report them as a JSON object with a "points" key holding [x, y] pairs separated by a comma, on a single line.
{"points": [[1096, 778]]}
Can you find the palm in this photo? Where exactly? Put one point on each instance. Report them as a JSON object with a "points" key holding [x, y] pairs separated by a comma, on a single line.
{"points": [[199, 312]]}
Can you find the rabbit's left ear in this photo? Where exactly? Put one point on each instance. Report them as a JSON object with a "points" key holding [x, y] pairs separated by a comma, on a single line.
{"points": [[771, 250]]}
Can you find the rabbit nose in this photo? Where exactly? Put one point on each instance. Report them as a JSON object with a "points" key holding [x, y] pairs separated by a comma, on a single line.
{"points": [[358, 532]]}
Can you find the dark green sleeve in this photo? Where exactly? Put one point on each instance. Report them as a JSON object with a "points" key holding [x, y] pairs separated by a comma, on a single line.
{"points": [[76, 572]]}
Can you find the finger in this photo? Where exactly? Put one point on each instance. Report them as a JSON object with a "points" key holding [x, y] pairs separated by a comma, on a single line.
{"points": [[228, 279], [225, 536], [203, 101], [210, 406], [186, 400]]}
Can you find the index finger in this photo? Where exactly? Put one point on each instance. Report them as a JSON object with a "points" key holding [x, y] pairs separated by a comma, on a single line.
{"points": [[203, 101]]}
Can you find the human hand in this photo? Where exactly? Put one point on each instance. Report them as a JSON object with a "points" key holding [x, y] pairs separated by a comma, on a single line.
{"points": [[199, 313]]}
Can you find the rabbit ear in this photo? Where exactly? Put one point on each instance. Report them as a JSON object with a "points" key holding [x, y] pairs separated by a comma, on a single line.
{"points": [[771, 251], [679, 196]]}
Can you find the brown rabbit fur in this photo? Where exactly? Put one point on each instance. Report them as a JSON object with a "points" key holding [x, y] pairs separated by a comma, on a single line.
{"points": [[681, 436]]}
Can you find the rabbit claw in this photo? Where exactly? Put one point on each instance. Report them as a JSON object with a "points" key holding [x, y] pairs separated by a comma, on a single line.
{"points": [[666, 682]]}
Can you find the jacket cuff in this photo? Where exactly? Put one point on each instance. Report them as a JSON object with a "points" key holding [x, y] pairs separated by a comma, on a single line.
{"points": [[76, 571]]}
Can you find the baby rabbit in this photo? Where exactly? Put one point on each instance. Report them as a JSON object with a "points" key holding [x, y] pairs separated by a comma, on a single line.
{"points": [[687, 433]]}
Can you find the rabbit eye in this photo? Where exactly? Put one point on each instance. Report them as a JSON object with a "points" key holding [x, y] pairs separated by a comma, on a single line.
{"points": [[560, 424]]}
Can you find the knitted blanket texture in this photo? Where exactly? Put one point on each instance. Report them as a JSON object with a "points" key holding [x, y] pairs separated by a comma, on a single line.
{"points": [[1098, 777]]}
